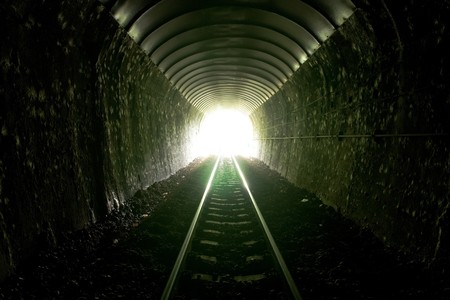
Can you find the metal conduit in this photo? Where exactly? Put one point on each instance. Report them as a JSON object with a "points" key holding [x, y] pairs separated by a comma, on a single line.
{"points": [[391, 135]]}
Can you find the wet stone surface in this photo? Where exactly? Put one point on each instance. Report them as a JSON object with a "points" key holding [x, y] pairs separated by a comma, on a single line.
{"points": [[130, 254]]}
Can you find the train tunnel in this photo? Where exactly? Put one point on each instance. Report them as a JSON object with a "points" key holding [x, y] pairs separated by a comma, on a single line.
{"points": [[347, 99]]}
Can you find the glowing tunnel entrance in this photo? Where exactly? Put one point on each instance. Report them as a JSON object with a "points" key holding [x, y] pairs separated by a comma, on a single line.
{"points": [[226, 132]]}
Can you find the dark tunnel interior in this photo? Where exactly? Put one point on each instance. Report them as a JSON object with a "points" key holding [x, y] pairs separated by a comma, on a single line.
{"points": [[348, 99]]}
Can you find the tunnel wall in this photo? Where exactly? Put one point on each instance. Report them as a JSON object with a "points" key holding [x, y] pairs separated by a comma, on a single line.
{"points": [[148, 124], [383, 74], [85, 120]]}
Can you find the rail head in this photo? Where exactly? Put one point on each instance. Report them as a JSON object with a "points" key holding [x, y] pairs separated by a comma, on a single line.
{"points": [[182, 254], [276, 251], [170, 285]]}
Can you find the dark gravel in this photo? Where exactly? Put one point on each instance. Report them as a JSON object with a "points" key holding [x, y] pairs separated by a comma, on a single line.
{"points": [[129, 255]]}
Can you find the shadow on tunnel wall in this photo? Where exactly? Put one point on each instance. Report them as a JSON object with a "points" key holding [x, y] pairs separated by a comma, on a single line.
{"points": [[364, 124], [86, 119]]}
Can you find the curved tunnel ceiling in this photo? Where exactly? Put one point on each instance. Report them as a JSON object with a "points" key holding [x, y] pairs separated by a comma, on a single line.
{"points": [[229, 53]]}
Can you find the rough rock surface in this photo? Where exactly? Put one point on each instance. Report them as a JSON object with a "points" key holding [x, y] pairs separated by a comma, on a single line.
{"points": [[130, 254]]}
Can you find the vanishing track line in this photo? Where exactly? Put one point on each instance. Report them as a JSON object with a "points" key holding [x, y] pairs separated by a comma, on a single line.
{"points": [[229, 252]]}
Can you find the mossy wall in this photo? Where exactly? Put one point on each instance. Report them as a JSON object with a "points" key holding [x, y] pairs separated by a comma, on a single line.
{"points": [[341, 126], [85, 119], [148, 125]]}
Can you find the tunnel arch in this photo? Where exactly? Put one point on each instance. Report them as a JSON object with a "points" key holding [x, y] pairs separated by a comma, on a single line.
{"points": [[362, 121], [229, 31], [255, 45], [263, 85]]}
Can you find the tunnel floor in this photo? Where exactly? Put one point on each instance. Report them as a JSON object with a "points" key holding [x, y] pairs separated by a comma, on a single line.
{"points": [[130, 254]]}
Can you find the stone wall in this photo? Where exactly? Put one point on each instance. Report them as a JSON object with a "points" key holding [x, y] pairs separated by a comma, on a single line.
{"points": [[340, 127], [85, 120], [148, 125]]}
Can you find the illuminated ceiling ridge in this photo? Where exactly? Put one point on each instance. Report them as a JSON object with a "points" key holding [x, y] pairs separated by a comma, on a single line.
{"points": [[230, 53]]}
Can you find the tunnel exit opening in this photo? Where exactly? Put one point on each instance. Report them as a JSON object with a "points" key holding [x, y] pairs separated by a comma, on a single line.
{"points": [[226, 132]]}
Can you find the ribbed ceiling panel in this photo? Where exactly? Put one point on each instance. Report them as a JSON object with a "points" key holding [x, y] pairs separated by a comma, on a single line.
{"points": [[229, 53]]}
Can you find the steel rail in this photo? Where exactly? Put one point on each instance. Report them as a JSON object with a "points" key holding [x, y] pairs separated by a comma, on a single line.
{"points": [[181, 255], [173, 278], [276, 251]]}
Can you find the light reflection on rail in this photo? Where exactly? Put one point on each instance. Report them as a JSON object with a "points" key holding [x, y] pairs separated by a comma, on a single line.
{"points": [[170, 286]]}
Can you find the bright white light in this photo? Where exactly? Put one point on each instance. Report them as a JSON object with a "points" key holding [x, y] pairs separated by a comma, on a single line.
{"points": [[226, 132]]}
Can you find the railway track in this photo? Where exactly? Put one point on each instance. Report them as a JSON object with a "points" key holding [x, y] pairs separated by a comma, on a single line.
{"points": [[228, 252]]}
